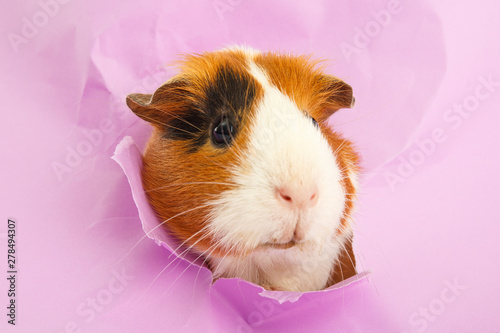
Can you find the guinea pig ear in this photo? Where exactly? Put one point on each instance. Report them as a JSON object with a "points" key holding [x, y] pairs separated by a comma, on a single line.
{"points": [[143, 107], [159, 107], [338, 95]]}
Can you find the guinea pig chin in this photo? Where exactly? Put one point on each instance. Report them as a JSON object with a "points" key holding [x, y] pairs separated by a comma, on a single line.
{"points": [[288, 182]]}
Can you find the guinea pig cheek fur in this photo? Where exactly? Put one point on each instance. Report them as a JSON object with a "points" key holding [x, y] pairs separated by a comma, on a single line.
{"points": [[288, 183]]}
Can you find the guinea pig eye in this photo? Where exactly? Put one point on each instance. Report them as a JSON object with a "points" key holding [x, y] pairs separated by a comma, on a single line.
{"points": [[223, 132], [314, 122]]}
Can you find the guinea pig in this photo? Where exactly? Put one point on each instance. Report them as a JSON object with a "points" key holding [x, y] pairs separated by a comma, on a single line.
{"points": [[243, 168]]}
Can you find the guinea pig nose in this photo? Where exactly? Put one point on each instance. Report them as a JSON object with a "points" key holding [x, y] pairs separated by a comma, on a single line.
{"points": [[300, 198]]}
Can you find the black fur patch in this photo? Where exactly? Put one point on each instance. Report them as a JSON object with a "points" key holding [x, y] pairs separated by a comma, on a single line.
{"points": [[230, 94]]}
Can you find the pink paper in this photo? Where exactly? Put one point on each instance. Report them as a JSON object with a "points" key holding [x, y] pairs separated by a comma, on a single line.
{"points": [[427, 85], [264, 305]]}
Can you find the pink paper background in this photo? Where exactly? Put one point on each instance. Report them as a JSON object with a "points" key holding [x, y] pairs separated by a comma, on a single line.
{"points": [[421, 236]]}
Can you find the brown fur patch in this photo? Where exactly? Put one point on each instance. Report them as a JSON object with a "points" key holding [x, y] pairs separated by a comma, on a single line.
{"points": [[300, 78]]}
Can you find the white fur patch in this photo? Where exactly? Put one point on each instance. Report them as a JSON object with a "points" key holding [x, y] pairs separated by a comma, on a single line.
{"points": [[285, 149]]}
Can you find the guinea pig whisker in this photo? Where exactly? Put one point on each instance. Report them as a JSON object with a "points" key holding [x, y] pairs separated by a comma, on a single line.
{"points": [[193, 235], [355, 119], [216, 269], [187, 122], [174, 116], [179, 214], [182, 273], [180, 258], [339, 264], [189, 183], [153, 120], [179, 129], [211, 248], [199, 270], [192, 246], [228, 104], [344, 169], [170, 126], [222, 166], [147, 234], [348, 255], [342, 279], [339, 147]]}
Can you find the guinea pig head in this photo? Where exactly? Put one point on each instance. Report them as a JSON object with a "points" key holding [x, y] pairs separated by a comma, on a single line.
{"points": [[241, 158]]}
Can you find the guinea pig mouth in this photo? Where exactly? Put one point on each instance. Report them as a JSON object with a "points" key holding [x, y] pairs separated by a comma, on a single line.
{"points": [[279, 246]]}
